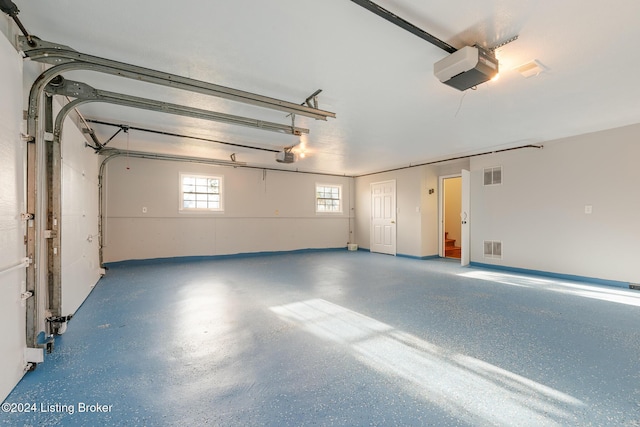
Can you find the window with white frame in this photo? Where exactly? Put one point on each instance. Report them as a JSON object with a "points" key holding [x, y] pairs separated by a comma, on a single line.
{"points": [[200, 193], [328, 198]]}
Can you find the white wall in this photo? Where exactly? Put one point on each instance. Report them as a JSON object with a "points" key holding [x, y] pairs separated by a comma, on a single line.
{"points": [[539, 210], [409, 205], [264, 212], [418, 217], [79, 227], [12, 248], [429, 211]]}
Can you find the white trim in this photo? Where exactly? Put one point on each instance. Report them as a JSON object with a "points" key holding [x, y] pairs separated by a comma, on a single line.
{"points": [[441, 179]]}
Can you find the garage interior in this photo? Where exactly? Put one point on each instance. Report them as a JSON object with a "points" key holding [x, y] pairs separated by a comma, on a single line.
{"points": [[233, 213]]}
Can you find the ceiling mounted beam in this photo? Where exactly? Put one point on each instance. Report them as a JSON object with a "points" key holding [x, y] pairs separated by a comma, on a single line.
{"points": [[52, 53], [395, 19], [84, 93]]}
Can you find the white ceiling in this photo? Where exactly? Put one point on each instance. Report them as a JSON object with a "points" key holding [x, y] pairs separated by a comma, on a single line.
{"points": [[378, 78]]}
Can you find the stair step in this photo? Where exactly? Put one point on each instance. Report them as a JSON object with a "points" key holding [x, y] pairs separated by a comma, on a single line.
{"points": [[453, 252]]}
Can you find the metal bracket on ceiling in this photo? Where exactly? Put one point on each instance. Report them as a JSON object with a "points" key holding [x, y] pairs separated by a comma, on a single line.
{"points": [[61, 86], [294, 130], [35, 45], [504, 43], [311, 101], [313, 97]]}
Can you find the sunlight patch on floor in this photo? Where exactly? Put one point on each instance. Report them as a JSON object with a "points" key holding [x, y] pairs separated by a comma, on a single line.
{"points": [[620, 296], [470, 389]]}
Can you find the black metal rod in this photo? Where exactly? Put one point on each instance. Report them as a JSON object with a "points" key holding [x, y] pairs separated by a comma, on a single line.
{"points": [[451, 159], [395, 19], [159, 132], [10, 8], [112, 136]]}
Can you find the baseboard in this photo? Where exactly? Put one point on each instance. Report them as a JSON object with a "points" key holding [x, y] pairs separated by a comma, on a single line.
{"points": [[592, 280], [405, 255], [422, 258], [191, 258]]}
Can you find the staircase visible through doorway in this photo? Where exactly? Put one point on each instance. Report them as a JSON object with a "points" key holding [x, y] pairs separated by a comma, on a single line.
{"points": [[450, 248]]}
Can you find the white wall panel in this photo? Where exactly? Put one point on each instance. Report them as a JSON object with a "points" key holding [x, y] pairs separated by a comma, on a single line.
{"points": [[429, 212], [12, 311], [539, 210], [264, 212]]}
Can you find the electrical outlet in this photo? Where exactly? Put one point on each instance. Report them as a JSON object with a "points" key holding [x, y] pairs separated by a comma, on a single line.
{"points": [[588, 209], [144, 209]]}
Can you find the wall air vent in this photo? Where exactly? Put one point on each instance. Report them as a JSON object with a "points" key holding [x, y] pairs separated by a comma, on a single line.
{"points": [[493, 176], [493, 249]]}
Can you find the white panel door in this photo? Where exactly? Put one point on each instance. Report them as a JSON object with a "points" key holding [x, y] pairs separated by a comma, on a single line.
{"points": [[464, 218], [383, 217]]}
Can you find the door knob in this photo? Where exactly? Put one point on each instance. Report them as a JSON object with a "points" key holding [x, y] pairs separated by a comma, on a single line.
{"points": [[393, 222]]}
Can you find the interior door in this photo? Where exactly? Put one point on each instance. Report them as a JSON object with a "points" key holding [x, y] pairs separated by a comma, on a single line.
{"points": [[383, 217], [465, 251]]}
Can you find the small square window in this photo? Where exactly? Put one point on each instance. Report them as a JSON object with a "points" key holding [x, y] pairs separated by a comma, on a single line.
{"points": [[200, 193], [328, 198]]}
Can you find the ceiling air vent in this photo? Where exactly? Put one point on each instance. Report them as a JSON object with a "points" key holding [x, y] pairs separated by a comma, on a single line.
{"points": [[530, 69]]}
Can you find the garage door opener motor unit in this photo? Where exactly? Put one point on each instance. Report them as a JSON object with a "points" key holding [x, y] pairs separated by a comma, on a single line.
{"points": [[466, 67]]}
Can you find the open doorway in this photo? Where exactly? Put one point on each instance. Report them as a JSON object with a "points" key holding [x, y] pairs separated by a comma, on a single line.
{"points": [[451, 228]]}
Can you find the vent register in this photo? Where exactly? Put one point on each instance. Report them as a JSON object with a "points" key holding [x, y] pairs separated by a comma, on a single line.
{"points": [[492, 176]]}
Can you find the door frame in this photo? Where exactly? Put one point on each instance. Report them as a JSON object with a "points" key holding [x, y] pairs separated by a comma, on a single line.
{"points": [[441, 211], [394, 222], [465, 242]]}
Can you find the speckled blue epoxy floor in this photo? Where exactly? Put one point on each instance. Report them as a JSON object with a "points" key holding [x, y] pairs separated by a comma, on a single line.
{"points": [[339, 338]]}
